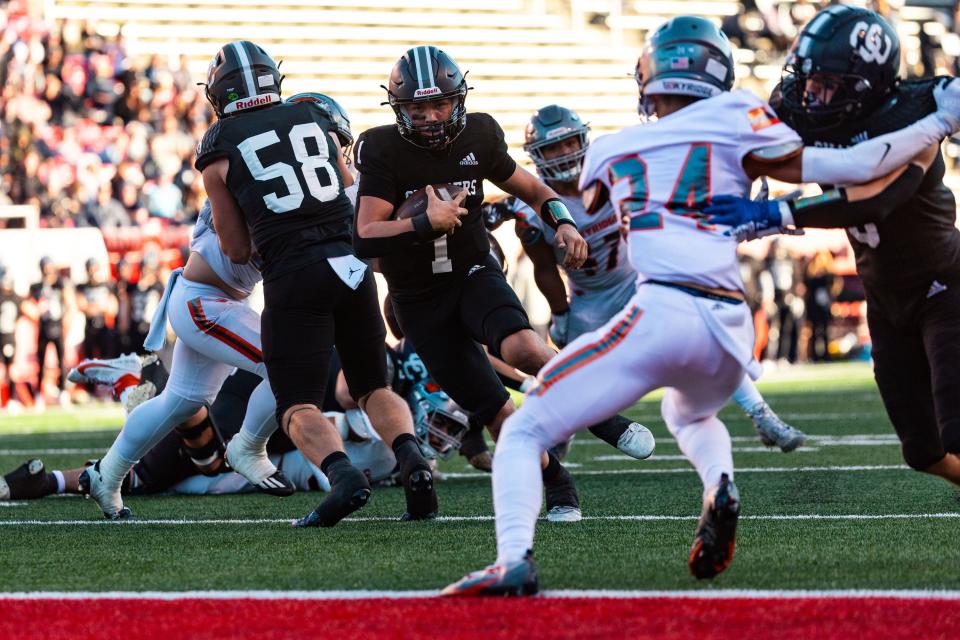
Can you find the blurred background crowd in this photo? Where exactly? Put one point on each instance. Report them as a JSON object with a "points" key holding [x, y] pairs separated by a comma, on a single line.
{"points": [[98, 134]]}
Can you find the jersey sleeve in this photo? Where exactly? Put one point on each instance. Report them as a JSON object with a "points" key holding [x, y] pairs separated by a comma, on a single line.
{"points": [[528, 226], [376, 177], [500, 165], [212, 147], [758, 125]]}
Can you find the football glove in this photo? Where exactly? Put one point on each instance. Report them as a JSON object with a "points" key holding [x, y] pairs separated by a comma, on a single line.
{"points": [[947, 96], [733, 211], [496, 213], [559, 326]]}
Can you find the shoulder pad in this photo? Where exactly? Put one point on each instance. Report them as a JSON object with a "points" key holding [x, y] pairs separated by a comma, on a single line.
{"points": [[207, 149]]}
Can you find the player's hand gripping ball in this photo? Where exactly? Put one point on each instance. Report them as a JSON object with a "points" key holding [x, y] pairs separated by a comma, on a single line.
{"points": [[440, 202]]}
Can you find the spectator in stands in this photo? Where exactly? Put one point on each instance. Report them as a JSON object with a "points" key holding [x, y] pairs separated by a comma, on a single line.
{"points": [[144, 296], [10, 309], [785, 324], [97, 301], [50, 303], [822, 287]]}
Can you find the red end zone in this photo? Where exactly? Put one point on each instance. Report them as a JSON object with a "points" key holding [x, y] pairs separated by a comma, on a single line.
{"points": [[544, 617]]}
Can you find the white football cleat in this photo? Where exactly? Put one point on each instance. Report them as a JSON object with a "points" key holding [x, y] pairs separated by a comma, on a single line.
{"points": [[108, 499], [564, 514], [118, 373], [773, 431], [637, 442], [256, 467]]}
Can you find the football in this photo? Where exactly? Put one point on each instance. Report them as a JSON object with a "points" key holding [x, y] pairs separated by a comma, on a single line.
{"points": [[417, 202]]}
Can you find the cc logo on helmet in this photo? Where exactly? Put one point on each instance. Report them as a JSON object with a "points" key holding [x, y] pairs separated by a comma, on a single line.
{"points": [[874, 45]]}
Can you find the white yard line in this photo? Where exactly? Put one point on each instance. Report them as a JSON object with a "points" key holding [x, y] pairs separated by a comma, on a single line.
{"points": [[712, 594], [50, 452], [645, 471], [485, 518]]}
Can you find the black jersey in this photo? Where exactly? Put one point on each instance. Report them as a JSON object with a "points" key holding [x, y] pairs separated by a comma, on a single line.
{"points": [[918, 243], [392, 169], [406, 367], [283, 175]]}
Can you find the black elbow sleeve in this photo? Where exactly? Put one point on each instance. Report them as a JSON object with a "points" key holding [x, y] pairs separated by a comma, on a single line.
{"points": [[841, 213]]}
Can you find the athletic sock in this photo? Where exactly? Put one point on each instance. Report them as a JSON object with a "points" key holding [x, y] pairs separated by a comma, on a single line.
{"points": [[553, 469], [518, 486], [747, 396], [611, 429], [408, 454], [113, 467]]}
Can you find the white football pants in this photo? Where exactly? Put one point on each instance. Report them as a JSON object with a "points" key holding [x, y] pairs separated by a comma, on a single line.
{"points": [[697, 347]]}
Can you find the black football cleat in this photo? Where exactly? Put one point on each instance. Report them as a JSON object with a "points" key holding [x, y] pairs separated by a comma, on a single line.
{"points": [[327, 515], [518, 578], [26, 482], [563, 503], [421, 496], [714, 541]]}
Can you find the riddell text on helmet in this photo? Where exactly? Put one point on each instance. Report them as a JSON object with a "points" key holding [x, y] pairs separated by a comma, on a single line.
{"points": [[256, 101]]}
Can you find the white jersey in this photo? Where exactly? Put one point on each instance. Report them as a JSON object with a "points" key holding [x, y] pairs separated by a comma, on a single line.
{"points": [[242, 277], [608, 264], [662, 172]]}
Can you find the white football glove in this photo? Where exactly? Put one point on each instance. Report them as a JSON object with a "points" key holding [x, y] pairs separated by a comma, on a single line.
{"points": [[748, 231], [947, 96], [559, 325]]}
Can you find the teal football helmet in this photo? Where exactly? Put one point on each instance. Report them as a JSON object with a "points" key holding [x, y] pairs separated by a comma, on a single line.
{"points": [[685, 56], [439, 423], [335, 113], [548, 126]]}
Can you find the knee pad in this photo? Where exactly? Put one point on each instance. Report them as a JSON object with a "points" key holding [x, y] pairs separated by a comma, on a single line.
{"points": [[204, 446]]}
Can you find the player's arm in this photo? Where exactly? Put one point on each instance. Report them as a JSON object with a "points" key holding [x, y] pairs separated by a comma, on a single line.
{"points": [[839, 207], [345, 176], [868, 160], [547, 276], [542, 198], [377, 235], [228, 220]]}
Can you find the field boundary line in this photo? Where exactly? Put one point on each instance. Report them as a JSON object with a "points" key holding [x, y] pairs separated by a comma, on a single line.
{"points": [[711, 594]]}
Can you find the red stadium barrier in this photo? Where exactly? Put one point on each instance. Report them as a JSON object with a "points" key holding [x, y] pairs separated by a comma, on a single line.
{"points": [[489, 618]]}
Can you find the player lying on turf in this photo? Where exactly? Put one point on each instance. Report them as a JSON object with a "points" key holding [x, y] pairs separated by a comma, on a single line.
{"points": [[687, 328], [171, 466], [449, 295], [840, 86], [556, 141]]}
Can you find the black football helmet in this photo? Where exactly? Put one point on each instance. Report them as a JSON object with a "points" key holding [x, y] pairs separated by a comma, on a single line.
{"points": [[548, 126], [242, 76], [335, 113], [857, 50], [686, 56], [423, 74]]}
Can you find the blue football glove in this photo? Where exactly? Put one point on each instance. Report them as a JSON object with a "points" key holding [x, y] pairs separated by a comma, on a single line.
{"points": [[734, 211]]}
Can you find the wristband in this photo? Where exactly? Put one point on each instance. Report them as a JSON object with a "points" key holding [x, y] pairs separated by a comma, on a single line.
{"points": [[555, 213], [802, 205], [422, 227]]}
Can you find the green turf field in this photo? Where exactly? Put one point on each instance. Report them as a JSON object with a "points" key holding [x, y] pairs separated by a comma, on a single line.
{"points": [[850, 467]]}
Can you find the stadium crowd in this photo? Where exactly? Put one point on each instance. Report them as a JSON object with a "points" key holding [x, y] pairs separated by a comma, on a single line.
{"points": [[95, 137]]}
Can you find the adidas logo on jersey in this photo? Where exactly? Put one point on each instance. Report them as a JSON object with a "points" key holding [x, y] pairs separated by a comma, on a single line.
{"points": [[469, 159], [935, 288]]}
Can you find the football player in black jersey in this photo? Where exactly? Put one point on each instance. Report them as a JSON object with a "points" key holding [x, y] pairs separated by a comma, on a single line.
{"points": [[449, 294], [275, 175], [841, 88]]}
